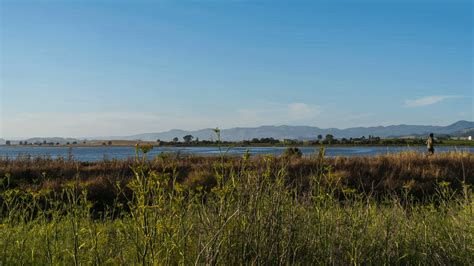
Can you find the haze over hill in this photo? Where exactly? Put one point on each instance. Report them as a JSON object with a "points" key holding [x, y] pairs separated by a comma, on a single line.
{"points": [[459, 129], [303, 132]]}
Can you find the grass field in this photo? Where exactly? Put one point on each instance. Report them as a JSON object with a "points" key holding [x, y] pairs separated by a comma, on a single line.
{"points": [[394, 209]]}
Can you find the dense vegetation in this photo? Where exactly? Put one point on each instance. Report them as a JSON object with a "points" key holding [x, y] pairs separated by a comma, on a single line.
{"points": [[319, 140], [391, 209]]}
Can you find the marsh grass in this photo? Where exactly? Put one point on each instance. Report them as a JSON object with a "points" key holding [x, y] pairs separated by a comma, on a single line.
{"points": [[263, 210]]}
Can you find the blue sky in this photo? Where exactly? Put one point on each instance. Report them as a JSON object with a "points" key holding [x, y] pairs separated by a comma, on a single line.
{"points": [[97, 68]]}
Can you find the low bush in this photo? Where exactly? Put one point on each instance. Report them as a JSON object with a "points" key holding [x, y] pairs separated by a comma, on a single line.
{"points": [[262, 210]]}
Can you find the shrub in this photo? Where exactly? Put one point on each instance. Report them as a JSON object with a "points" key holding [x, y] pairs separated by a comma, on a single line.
{"points": [[292, 152]]}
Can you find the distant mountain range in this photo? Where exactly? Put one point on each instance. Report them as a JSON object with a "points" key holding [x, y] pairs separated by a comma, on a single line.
{"points": [[465, 133], [460, 128]]}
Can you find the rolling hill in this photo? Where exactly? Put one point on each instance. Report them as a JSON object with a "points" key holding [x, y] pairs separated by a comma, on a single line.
{"points": [[304, 132]]}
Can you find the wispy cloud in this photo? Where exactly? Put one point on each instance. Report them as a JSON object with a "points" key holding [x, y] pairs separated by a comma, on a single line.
{"points": [[276, 114], [302, 111], [429, 100]]}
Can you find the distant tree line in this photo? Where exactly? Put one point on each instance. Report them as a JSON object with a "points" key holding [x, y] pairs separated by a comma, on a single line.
{"points": [[42, 143], [329, 139]]}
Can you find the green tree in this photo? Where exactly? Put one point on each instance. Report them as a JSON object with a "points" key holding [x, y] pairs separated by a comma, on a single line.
{"points": [[329, 138], [320, 137], [188, 138], [175, 139]]}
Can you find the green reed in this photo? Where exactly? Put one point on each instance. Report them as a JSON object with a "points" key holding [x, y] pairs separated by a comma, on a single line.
{"points": [[250, 216]]}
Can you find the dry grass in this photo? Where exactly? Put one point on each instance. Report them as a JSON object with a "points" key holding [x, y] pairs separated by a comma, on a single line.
{"points": [[229, 210], [378, 174]]}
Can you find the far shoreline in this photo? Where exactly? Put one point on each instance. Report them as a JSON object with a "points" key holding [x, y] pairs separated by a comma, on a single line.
{"points": [[233, 145]]}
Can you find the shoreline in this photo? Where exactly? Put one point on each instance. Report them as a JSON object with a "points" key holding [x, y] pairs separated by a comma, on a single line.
{"points": [[235, 146]]}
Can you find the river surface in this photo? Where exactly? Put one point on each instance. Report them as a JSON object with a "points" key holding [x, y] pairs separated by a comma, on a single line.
{"points": [[115, 152]]}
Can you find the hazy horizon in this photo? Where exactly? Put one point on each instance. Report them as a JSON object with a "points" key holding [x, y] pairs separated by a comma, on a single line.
{"points": [[188, 130], [85, 69]]}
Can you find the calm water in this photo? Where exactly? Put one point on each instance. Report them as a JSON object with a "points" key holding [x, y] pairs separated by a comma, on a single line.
{"points": [[99, 153]]}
